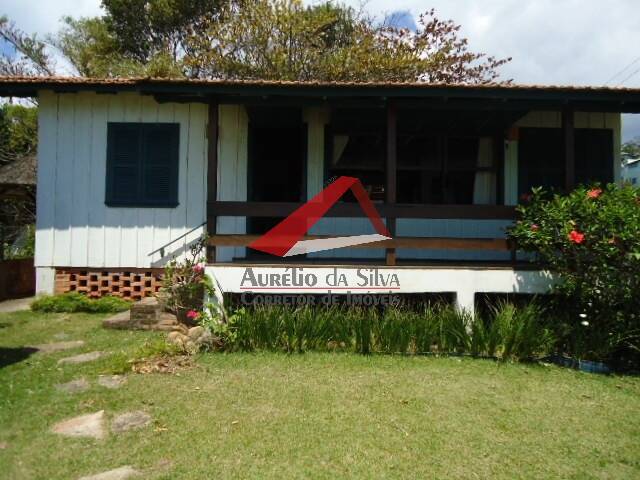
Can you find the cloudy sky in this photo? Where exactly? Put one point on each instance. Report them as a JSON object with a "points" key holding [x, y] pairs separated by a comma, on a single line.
{"points": [[578, 42]]}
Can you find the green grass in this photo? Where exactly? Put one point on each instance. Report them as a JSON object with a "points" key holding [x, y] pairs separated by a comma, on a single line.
{"points": [[315, 415]]}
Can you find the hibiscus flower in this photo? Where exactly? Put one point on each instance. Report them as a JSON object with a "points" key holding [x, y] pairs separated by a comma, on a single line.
{"points": [[594, 193], [576, 236]]}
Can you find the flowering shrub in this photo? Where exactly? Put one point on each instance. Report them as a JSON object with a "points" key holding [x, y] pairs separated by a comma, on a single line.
{"points": [[591, 237], [185, 284]]}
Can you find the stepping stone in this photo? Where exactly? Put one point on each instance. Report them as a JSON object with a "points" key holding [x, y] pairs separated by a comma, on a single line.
{"points": [[130, 421], [82, 358], [74, 386], [116, 474], [111, 381], [59, 346], [90, 425]]}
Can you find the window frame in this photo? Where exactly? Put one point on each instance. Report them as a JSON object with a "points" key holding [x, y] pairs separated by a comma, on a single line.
{"points": [[142, 200]]}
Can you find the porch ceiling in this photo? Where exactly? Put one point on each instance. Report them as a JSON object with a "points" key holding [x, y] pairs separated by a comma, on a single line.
{"points": [[444, 96]]}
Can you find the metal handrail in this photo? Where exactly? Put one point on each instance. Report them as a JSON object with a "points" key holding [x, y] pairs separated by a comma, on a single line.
{"points": [[161, 249]]}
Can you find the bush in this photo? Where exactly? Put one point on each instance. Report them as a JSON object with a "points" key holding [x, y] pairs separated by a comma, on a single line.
{"points": [[591, 238], [511, 334], [75, 302], [185, 284]]}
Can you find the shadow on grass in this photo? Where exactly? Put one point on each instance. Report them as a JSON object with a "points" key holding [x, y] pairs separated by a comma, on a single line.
{"points": [[9, 356]]}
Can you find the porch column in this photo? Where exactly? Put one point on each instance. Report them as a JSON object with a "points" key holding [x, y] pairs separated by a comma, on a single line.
{"points": [[568, 140], [212, 174], [391, 175]]}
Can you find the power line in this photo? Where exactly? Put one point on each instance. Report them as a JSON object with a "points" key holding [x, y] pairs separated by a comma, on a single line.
{"points": [[632, 74], [623, 70]]}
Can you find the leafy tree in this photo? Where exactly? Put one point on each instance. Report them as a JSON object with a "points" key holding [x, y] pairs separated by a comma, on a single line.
{"points": [[285, 40], [631, 148], [94, 51], [18, 132]]}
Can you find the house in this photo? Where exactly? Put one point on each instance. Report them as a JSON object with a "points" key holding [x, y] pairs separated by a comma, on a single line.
{"points": [[631, 170], [131, 171]]}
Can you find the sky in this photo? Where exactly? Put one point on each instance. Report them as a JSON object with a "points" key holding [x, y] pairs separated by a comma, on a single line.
{"points": [[559, 42]]}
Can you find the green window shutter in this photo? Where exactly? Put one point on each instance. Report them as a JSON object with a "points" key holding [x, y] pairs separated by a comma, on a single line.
{"points": [[142, 164], [160, 164], [123, 163]]}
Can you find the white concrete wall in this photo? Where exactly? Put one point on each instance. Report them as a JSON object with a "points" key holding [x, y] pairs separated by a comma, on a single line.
{"points": [[74, 227], [464, 282]]}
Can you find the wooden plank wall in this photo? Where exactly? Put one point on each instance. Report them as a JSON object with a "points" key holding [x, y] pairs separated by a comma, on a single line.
{"points": [[233, 133], [74, 227]]}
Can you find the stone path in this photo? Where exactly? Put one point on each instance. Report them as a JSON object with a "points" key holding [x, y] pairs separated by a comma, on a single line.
{"points": [[82, 358], [111, 381], [121, 473], [16, 305], [58, 346], [130, 421], [90, 425], [74, 386]]}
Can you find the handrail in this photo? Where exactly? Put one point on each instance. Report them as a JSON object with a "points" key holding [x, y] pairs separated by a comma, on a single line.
{"points": [[161, 249]]}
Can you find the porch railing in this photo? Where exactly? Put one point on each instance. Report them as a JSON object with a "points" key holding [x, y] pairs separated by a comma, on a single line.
{"points": [[388, 211]]}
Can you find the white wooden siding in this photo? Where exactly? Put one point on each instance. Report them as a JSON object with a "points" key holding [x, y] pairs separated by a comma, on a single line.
{"points": [[233, 132], [74, 226]]}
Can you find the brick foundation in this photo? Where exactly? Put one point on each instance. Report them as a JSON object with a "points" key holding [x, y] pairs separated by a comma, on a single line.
{"points": [[130, 283]]}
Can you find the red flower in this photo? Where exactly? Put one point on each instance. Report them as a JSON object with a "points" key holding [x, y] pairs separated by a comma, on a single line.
{"points": [[576, 237], [526, 197], [535, 228], [198, 268], [192, 314], [594, 193]]}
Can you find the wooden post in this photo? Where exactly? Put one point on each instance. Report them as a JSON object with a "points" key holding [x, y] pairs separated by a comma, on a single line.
{"points": [[391, 176], [568, 140], [212, 174], [498, 165]]}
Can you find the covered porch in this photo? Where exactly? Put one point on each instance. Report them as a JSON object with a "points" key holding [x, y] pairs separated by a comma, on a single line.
{"points": [[444, 166]]}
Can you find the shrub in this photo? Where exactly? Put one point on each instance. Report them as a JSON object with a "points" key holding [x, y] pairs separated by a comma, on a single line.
{"points": [[511, 334], [591, 238], [185, 283], [75, 302]]}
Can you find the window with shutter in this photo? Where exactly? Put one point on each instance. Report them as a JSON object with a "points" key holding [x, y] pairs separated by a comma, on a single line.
{"points": [[142, 164]]}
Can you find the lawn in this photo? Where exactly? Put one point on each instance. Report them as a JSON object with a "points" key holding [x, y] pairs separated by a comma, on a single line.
{"points": [[327, 415]]}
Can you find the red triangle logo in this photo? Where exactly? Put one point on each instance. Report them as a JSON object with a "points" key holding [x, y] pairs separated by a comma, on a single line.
{"points": [[284, 240]]}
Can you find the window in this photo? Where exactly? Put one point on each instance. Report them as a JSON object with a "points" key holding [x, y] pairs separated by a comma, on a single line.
{"points": [[445, 170], [541, 157], [356, 146], [142, 164]]}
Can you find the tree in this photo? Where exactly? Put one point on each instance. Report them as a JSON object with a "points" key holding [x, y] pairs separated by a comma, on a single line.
{"points": [[28, 55], [631, 148], [94, 51], [285, 40], [18, 132], [148, 30]]}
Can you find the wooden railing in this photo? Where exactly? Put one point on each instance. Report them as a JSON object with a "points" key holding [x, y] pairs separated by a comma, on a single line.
{"points": [[343, 209], [282, 209]]}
